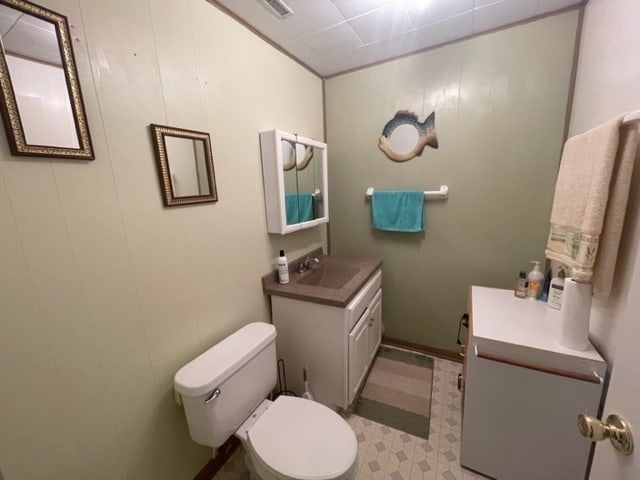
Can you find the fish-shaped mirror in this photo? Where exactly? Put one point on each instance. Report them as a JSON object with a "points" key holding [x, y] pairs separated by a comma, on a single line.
{"points": [[404, 137]]}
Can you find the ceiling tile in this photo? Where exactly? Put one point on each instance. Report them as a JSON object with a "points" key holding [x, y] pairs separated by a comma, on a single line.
{"points": [[502, 13], [376, 30], [480, 3], [394, 47], [333, 40], [306, 55], [352, 8], [385, 22], [425, 12], [311, 17], [445, 31], [8, 17], [546, 6]]}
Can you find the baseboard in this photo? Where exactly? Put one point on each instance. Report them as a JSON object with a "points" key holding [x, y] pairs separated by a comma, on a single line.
{"points": [[214, 465], [416, 347]]}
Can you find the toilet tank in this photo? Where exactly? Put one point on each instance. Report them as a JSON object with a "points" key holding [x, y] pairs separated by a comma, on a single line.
{"points": [[243, 368]]}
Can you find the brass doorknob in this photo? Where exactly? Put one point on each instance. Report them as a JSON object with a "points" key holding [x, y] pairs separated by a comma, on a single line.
{"points": [[615, 429]]}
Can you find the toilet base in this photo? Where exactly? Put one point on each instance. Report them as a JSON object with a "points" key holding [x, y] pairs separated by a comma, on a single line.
{"points": [[253, 475]]}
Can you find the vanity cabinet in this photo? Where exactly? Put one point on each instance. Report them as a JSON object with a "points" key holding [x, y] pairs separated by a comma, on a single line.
{"points": [[336, 344], [294, 173]]}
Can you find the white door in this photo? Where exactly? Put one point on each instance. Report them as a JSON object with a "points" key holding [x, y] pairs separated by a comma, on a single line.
{"points": [[623, 397], [606, 85]]}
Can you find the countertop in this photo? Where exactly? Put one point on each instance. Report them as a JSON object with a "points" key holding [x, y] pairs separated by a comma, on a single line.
{"points": [[339, 297]]}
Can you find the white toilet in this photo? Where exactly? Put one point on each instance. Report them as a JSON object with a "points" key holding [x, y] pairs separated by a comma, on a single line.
{"points": [[223, 392]]}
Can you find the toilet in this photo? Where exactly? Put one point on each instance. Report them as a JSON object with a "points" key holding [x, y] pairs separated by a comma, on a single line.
{"points": [[224, 393]]}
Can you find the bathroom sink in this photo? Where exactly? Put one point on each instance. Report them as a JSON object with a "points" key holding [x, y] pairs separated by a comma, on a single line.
{"points": [[335, 280], [329, 275]]}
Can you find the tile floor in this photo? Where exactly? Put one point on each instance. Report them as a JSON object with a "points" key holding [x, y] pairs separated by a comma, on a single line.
{"points": [[388, 454]]}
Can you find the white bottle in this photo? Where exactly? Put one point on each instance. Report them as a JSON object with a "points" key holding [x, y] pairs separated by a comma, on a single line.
{"points": [[556, 289], [536, 280], [283, 268]]}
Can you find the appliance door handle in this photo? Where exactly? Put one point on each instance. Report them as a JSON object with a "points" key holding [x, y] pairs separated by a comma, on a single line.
{"points": [[464, 322], [593, 378]]}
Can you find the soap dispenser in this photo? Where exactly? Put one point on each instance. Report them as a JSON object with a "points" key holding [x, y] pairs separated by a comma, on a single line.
{"points": [[536, 279]]}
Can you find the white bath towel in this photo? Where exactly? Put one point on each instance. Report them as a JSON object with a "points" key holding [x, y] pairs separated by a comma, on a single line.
{"points": [[590, 202]]}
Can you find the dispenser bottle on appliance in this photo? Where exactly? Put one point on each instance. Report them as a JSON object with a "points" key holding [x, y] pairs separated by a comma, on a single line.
{"points": [[521, 285], [536, 280], [283, 268], [556, 290]]}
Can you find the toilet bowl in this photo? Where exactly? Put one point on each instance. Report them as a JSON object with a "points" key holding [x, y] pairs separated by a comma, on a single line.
{"points": [[294, 438], [223, 392]]}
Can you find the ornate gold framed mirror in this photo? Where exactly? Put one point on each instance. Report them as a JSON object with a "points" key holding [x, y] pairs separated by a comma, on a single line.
{"points": [[185, 165], [42, 105]]}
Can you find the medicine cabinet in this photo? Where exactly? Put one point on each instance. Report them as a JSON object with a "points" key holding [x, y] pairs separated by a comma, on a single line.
{"points": [[294, 171]]}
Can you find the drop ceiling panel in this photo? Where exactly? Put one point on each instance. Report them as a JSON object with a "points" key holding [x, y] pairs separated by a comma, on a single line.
{"points": [[334, 41], [352, 8], [452, 28], [501, 13], [385, 22], [425, 12], [546, 6], [332, 36], [318, 15]]}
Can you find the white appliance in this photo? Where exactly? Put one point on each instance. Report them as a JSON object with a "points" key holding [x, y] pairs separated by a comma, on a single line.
{"points": [[523, 391]]}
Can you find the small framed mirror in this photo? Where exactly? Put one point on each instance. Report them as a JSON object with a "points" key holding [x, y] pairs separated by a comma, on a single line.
{"points": [[41, 104], [185, 165]]}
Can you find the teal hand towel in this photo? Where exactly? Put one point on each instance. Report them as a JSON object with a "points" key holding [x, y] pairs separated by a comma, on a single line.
{"points": [[306, 204], [401, 211], [299, 207]]}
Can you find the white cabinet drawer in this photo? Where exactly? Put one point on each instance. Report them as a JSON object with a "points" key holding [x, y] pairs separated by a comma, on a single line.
{"points": [[363, 298]]}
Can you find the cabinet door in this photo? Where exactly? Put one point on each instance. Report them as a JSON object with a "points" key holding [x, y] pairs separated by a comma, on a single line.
{"points": [[358, 353], [375, 325], [294, 172]]}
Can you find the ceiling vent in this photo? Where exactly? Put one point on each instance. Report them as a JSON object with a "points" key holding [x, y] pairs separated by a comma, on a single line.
{"points": [[277, 7]]}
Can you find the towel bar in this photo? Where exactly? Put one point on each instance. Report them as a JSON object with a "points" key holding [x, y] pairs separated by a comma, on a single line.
{"points": [[442, 194], [631, 118]]}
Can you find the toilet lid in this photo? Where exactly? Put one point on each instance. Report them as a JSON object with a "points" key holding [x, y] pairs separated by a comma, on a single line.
{"points": [[302, 439]]}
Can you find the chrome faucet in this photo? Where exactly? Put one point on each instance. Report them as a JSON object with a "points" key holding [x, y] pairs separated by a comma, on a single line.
{"points": [[305, 265]]}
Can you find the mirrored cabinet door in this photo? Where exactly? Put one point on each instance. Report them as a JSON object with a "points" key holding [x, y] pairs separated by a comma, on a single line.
{"points": [[295, 181]]}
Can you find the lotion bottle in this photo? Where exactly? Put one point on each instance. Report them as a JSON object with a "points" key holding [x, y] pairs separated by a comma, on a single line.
{"points": [[556, 290], [536, 279], [283, 268]]}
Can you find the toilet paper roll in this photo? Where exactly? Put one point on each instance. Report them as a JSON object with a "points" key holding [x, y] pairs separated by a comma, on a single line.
{"points": [[575, 312]]}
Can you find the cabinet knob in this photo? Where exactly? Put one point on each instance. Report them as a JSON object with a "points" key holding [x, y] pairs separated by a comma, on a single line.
{"points": [[615, 429]]}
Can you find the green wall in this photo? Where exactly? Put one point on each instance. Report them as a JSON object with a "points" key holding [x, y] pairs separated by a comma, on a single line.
{"points": [[500, 101], [105, 293]]}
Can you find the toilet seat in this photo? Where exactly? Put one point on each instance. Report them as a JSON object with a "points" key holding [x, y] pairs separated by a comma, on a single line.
{"points": [[303, 440]]}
